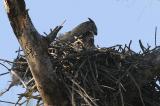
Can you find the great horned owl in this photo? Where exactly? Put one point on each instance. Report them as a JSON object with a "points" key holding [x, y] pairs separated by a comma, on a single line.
{"points": [[83, 35]]}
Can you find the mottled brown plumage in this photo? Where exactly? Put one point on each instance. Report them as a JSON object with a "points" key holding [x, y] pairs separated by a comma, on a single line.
{"points": [[82, 36]]}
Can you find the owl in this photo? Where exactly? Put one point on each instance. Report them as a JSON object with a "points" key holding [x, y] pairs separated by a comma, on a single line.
{"points": [[82, 36]]}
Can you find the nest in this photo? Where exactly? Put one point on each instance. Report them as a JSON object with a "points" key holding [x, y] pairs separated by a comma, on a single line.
{"points": [[114, 76]]}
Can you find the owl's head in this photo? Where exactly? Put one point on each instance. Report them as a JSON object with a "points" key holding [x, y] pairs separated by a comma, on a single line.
{"points": [[85, 27], [93, 27]]}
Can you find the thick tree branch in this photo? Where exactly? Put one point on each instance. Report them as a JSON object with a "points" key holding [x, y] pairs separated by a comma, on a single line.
{"points": [[35, 49]]}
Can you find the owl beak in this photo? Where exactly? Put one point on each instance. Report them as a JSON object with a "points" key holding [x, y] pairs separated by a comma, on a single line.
{"points": [[95, 33]]}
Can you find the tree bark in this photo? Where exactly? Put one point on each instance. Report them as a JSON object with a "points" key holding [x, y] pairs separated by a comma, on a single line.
{"points": [[35, 48]]}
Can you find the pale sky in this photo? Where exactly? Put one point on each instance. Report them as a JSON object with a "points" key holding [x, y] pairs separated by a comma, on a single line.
{"points": [[118, 22]]}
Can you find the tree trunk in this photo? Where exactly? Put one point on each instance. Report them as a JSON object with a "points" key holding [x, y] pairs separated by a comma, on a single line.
{"points": [[35, 48]]}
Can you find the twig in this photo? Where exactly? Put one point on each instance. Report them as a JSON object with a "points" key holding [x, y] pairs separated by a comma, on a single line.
{"points": [[18, 51], [155, 37], [84, 94], [16, 75], [27, 71], [7, 61], [4, 73], [20, 98], [30, 81], [62, 23], [3, 92], [38, 102], [14, 82], [94, 76], [5, 67], [7, 102], [121, 95], [142, 47], [118, 45], [23, 103], [129, 46], [124, 74], [105, 86], [73, 95], [139, 90]]}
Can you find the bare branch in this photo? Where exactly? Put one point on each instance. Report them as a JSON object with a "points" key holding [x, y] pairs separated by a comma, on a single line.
{"points": [[142, 47], [53, 33], [7, 102], [155, 35]]}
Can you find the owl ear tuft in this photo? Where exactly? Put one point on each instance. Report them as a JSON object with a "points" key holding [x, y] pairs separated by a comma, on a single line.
{"points": [[91, 20]]}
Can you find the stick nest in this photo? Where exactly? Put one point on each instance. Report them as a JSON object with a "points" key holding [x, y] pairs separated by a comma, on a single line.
{"points": [[114, 76]]}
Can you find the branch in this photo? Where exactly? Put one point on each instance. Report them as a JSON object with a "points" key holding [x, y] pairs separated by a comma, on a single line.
{"points": [[142, 47], [8, 102], [53, 33], [155, 37]]}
